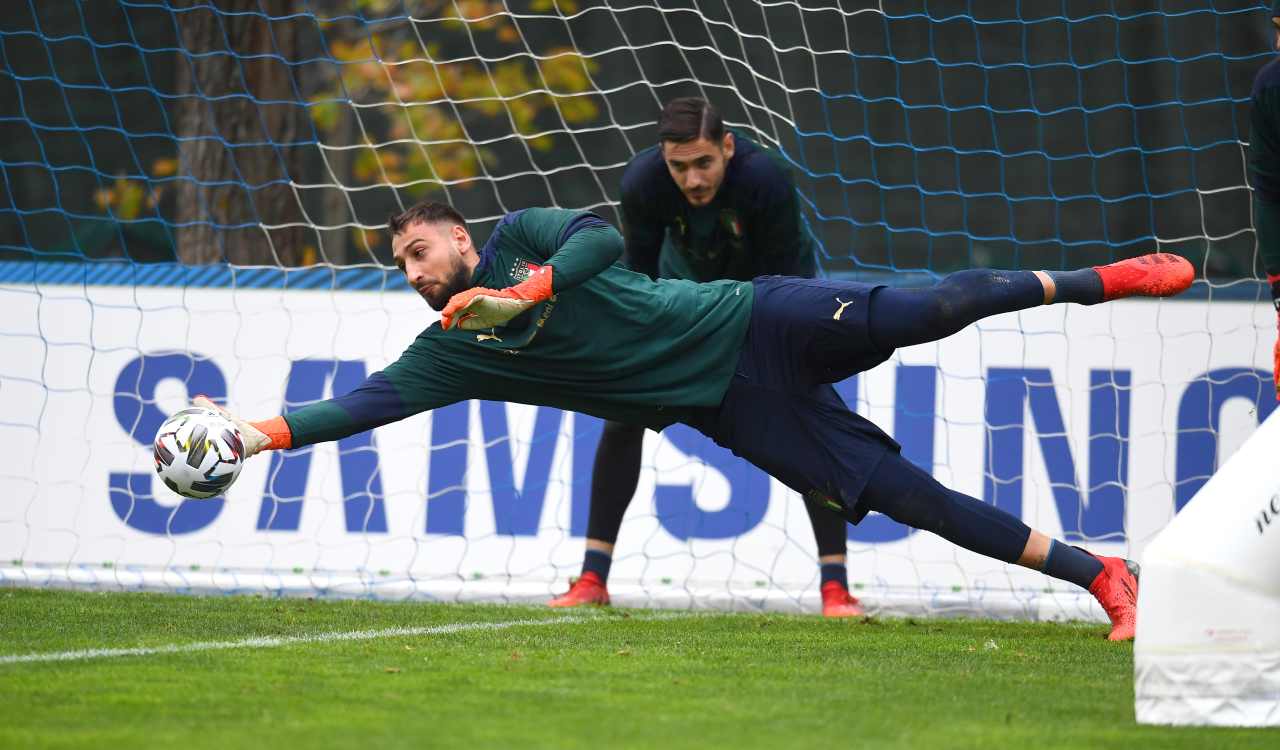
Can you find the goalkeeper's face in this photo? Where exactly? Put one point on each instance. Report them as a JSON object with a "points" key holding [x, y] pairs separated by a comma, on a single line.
{"points": [[434, 258], [698, 166]]}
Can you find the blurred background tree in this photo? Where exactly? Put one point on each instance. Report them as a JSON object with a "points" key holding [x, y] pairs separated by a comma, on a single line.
{"points": [[236, 118], [270, 132], [390, 106], [406, 103]]}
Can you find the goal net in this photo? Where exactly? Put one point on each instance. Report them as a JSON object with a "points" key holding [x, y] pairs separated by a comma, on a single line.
{"points": [[193, 201]]}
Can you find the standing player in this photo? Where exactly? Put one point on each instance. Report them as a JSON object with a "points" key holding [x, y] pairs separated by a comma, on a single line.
{"points": [[542, 315], [704, 204], [1264, 173]]}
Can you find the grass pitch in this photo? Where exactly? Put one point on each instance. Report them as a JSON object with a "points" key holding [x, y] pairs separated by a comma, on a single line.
{"points": [[340, 674]]}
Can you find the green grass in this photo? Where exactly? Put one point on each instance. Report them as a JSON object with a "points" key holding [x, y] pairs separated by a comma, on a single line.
{"points": [[610, 678]]}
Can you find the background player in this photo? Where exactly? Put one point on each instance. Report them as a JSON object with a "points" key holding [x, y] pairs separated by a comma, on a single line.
{"points": [[1264, 173], [542, 315], [704, 204]]}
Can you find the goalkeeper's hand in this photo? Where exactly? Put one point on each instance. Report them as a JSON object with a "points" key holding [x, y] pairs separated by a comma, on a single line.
{"points": [[479, 308], [254, 440]]}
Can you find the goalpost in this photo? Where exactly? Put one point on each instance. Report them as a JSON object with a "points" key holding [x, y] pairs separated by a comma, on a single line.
{"points": [[193, 198]]}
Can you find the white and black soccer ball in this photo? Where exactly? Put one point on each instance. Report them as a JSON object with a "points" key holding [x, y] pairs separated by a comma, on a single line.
{"points": [[199, 453]]}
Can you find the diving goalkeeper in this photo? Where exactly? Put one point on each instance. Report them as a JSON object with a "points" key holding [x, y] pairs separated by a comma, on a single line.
{"points": [[542, 315], [703, 204]]}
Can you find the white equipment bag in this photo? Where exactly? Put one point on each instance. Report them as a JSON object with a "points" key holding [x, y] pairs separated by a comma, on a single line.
{"points": [[1207, 650]]}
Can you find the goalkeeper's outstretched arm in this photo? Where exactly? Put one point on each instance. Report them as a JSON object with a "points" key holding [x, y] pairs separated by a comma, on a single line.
{"points": [[375, 402]]}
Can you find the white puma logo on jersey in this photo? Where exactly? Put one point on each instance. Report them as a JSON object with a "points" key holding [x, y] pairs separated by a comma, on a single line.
{"points": [[843, 305]]}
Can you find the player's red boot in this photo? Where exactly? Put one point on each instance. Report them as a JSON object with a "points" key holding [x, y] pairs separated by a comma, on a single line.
{"points": [[838, 602], [587, 589], [1154, 275], [1116, 589]]}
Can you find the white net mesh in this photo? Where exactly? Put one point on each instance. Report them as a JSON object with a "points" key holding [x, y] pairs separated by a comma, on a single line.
{"points": [[193, 201]]}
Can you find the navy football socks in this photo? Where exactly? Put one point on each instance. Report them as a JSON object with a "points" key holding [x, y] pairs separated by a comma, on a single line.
{"points": [[1073, 564], [597, 562], [900, 317], [835, 572], [1082, 287]]}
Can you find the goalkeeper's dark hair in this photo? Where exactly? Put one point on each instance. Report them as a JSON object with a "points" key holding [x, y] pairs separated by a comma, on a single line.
{"points": [[688, 119], [429, 212]]}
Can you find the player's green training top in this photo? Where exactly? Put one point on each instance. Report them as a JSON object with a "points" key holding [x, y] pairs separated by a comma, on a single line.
{"points": [[751, 228], [1264, 162], [610, 342]]}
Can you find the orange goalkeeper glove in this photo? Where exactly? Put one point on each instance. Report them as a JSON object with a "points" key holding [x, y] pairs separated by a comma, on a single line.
{"points": [[270, 434], [1275, 358], [1274, 278], [480, 308]]}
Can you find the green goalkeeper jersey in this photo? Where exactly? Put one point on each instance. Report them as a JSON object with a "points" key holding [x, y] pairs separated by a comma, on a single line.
{"points": [[610, 342]]}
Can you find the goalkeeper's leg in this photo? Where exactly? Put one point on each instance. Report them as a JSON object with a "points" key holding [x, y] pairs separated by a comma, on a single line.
{"points": [[613, 483], [904, 317], [829, 532], [909, 495], [838, 328]]}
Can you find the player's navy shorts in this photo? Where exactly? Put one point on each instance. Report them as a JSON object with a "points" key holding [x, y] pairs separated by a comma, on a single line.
{"points": [[781, 412]]}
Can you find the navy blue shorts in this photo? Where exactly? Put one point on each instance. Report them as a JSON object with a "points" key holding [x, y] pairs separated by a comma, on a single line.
{"points": [[781, 412]]}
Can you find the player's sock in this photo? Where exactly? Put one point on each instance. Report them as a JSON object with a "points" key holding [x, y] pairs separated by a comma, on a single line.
{"points": [[598, 562], [909, 495], [835, 572], [1073, 564], [906, 317], [1083, 287]]}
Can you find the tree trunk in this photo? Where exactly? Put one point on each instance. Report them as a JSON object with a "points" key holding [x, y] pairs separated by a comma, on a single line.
{"points": [[236, 177], [336, 246]]}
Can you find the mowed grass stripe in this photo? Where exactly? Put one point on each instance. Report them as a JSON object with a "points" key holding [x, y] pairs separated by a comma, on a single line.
{"points": [[331, 637], [485, 680]]}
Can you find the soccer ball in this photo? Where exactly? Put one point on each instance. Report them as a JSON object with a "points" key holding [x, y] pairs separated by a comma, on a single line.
{"points": [[198, 453]]}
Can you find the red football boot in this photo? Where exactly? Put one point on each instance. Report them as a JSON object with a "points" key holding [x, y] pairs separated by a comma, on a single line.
{"points": [[1154, 275], [1116, 589], [587, 589], [838, 602]]}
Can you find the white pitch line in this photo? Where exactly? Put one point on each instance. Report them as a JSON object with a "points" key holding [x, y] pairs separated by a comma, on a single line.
{"points": [[292, 640]]}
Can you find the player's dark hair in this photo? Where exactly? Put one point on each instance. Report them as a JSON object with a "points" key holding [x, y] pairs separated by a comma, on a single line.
{"points": [[428, 212], [688, 119]]}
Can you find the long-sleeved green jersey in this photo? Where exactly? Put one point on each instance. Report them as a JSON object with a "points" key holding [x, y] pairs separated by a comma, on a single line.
{"points": [[610, 342]]}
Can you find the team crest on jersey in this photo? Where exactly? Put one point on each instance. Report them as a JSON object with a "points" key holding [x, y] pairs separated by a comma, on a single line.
{"points": [[522, 269], [732, 224]]}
